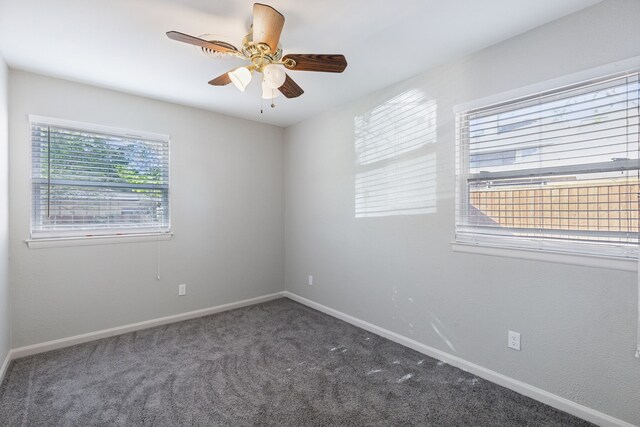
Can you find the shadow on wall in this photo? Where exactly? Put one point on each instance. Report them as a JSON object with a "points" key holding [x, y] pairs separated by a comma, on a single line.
{"points": [[395, 162]]}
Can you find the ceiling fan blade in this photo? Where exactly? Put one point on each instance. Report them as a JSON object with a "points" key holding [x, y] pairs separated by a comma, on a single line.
{"points": [[185, 38], [221, 80], [290, 89], [267, 25], [311, 62]]}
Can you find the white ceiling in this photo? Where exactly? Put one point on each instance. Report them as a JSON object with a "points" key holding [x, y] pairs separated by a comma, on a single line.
{"points": [[121, 44]]}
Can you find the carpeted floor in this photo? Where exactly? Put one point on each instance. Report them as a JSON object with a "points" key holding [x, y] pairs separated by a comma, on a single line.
{"points": [[278, 363]]}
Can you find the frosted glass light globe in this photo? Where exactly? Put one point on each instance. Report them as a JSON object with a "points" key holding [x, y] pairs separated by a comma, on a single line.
{"points": [[240, 78], [267, 92], [274, 75]]}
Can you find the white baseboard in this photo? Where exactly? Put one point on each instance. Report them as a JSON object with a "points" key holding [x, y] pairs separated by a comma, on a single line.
{"points": [[5, 366], [528, 390], [29, 350]]}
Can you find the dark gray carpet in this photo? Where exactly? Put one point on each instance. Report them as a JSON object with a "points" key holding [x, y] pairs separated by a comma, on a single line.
{"points": [[277, 363]]}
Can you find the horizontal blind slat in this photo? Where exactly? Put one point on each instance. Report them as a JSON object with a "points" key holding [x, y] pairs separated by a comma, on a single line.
{"points": [[628, 97], [560, 166], [578, 88]]}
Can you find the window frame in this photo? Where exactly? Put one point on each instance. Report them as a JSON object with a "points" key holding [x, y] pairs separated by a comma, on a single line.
{"points": [[101, 236], [530, 248]]}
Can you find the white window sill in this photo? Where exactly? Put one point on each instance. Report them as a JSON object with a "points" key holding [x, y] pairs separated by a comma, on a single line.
{"points": [[95, 240], [613, 263]]}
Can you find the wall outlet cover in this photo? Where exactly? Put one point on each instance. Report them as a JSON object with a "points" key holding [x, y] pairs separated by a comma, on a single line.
{"points": [[514, 340]]}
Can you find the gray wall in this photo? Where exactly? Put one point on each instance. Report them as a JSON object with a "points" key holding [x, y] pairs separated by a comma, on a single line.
{"points": [[399, 272], [227, 200], [5, 330]]}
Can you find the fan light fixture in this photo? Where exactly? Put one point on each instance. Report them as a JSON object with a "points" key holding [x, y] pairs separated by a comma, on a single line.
{"points": [[274, 75], [261, 47], [240, 77], [268, 92]]}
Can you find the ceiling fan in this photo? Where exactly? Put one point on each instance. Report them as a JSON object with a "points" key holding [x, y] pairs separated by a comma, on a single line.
{"points": [[261, 47]]}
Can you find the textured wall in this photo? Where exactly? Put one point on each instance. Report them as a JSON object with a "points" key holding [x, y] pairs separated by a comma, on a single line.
{"points": [[227, 201], [5, 330], [399, 272]]}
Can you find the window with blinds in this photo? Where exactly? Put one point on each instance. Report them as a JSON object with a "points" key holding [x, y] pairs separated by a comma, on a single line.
{"points": [[554, 171], [92, 181]]}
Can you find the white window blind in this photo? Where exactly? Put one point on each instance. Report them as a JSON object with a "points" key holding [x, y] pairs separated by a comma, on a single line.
{"points": [[554, 171], [91, 180]]}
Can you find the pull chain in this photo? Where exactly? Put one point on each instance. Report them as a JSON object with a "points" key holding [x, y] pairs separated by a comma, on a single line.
{"points": [[158, 259]]}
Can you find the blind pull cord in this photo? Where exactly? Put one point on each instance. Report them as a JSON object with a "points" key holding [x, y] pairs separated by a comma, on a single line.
{"points": [[158, 259], [638, 330], [638, 208], [48, 172], [638, 325]]}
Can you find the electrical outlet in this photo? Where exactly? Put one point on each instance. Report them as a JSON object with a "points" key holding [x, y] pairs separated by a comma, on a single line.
{"points": [[310, 280], [182, 289], [514, 340]]}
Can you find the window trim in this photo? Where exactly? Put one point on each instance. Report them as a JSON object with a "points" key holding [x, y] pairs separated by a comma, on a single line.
{"points": [[99, 237], [559, 83], [558, 257], [59, 242], [96, 127], [534, 250]]}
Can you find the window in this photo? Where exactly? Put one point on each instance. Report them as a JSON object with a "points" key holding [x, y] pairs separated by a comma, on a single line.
{"points": [[91, 180], [555, 171]]}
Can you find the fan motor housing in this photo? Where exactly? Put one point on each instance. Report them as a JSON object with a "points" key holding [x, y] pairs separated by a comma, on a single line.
{"points": [[254, 51]]}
